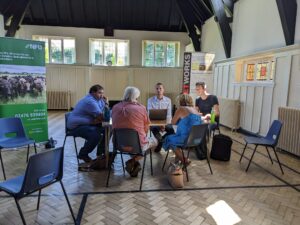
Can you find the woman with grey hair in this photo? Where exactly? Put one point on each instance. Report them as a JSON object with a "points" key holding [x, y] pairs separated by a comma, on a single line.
{"points": [[131, 114]]}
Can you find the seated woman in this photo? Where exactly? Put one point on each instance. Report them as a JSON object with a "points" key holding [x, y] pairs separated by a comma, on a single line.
{"points": [[185, 117], [131, 114]]}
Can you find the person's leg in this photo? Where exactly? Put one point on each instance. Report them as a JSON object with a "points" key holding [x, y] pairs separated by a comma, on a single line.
{"points": [[92, 135], [179, 156]]}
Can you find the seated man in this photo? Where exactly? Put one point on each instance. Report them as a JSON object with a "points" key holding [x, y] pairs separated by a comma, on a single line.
{"points": [[131, 114], [159, 101], [85, 121], [206, 102]]}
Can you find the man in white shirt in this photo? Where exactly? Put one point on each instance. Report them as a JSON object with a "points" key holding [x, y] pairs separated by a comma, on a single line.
{"points": [[159, 101]]}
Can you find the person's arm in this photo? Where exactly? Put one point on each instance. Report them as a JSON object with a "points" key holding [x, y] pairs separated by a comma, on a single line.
{"points": [[177, 116], [149, 104], [169, 114], [146, 121]]}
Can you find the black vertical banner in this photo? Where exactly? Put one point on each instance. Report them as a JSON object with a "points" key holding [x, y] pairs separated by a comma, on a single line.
{"points": [[187, 61]]}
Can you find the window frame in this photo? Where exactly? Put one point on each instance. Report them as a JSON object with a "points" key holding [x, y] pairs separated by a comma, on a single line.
{"points": [[61, 38], [165, 43], [103, 40]]}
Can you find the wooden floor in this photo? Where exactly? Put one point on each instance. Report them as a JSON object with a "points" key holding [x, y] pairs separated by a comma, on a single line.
{"points": [[230, 196]]}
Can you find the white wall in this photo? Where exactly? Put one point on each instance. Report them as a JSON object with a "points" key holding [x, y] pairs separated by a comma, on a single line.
{"points": [[2, 31], [256, 27], [260, 100], [82, 36], [211, 40]]}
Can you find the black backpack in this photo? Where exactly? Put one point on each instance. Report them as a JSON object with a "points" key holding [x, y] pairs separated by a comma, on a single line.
{"points": [[221, 147]]}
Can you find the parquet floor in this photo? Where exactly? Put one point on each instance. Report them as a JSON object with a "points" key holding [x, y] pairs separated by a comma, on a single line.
{"points": [[230, 196]]}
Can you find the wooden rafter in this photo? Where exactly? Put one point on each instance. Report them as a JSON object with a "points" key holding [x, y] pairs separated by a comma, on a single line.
{"points": [[18, 15], [288, 13], [223, 24]]}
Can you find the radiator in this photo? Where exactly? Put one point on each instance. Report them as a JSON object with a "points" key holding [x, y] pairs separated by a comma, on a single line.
{"points": [[229, 113], [289, 139], [59, 99]]}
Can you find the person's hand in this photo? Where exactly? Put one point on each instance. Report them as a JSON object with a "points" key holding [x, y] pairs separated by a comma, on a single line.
{"points": [[105, 99], [162, 128]]}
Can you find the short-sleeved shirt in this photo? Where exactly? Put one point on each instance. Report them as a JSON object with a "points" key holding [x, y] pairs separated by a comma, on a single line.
{"points": [[131, 115], [85, 111], [164, 103], [205, 106]]}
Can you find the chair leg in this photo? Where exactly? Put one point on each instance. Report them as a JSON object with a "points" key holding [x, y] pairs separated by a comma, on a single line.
{"points": [[145, 157], [278, 160], [243, 152], [76, 150], [151, 162], [109, 167], [184, 166], [27, 153], [122, 164], [63, 188], [162, 169], [251, 158], [269, 154], [20, 211], [208, 162], [39, 198], [2, 165]]}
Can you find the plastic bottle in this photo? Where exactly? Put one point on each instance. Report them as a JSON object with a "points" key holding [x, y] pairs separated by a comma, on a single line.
{"points": [[212, 116], [106, 114]]}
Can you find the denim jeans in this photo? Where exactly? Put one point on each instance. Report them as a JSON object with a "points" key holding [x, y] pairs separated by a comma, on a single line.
{"points": [[93, 135]]}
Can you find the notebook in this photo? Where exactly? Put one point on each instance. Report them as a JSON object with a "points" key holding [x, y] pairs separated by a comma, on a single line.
{"points": [[158, 114]]}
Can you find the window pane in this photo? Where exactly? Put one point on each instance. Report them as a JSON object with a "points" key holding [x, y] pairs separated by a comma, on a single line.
{"points": [[109, 53], [69, 51], [261, 73], [250, 72], [96, 54], [159, 54], [122, 54], [171, 55], [148, 53], [56, 51]]}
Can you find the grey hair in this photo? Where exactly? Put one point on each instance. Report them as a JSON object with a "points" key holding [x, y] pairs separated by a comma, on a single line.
{"points": [[131, 94]]}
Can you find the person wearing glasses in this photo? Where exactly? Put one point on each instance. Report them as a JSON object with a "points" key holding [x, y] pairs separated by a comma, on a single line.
{"points": [[85, 121], [159, 101]]}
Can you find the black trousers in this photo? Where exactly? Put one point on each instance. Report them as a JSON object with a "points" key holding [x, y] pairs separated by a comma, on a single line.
{"points": [[156, 129]]}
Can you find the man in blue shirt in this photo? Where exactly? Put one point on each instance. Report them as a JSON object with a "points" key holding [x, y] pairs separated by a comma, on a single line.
{"points": [[85, 121]]}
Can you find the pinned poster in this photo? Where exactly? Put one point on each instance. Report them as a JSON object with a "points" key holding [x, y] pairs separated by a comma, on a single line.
{"points": [[23, 85], [197, 67]]}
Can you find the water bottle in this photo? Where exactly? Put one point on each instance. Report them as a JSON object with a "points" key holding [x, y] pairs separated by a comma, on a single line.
{"points": [[106, 114], [212, 116]]}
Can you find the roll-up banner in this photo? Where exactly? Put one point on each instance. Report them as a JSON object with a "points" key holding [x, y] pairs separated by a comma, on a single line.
{"points": [[23, 85], [197, 67]]}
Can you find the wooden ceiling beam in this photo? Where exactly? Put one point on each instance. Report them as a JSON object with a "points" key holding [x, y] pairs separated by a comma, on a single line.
{"points": [[18, 15], [223, 24], [288, 13], [189, 22]]}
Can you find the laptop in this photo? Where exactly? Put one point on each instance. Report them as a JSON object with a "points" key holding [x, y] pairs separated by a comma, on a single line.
{"points": [[111, 103], [158, 114]]}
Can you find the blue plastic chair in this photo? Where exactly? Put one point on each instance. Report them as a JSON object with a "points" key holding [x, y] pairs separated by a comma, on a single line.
{"points": [[69, 133], [129, 138], [12, 135], [197, 136], [270, 140], [43, 169]]}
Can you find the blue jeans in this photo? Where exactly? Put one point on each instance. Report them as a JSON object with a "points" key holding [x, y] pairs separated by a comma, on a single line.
{"points": [[93, 135]]}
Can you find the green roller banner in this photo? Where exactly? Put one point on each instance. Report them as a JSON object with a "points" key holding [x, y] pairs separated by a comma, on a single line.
{"points": [[23, 85]]}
